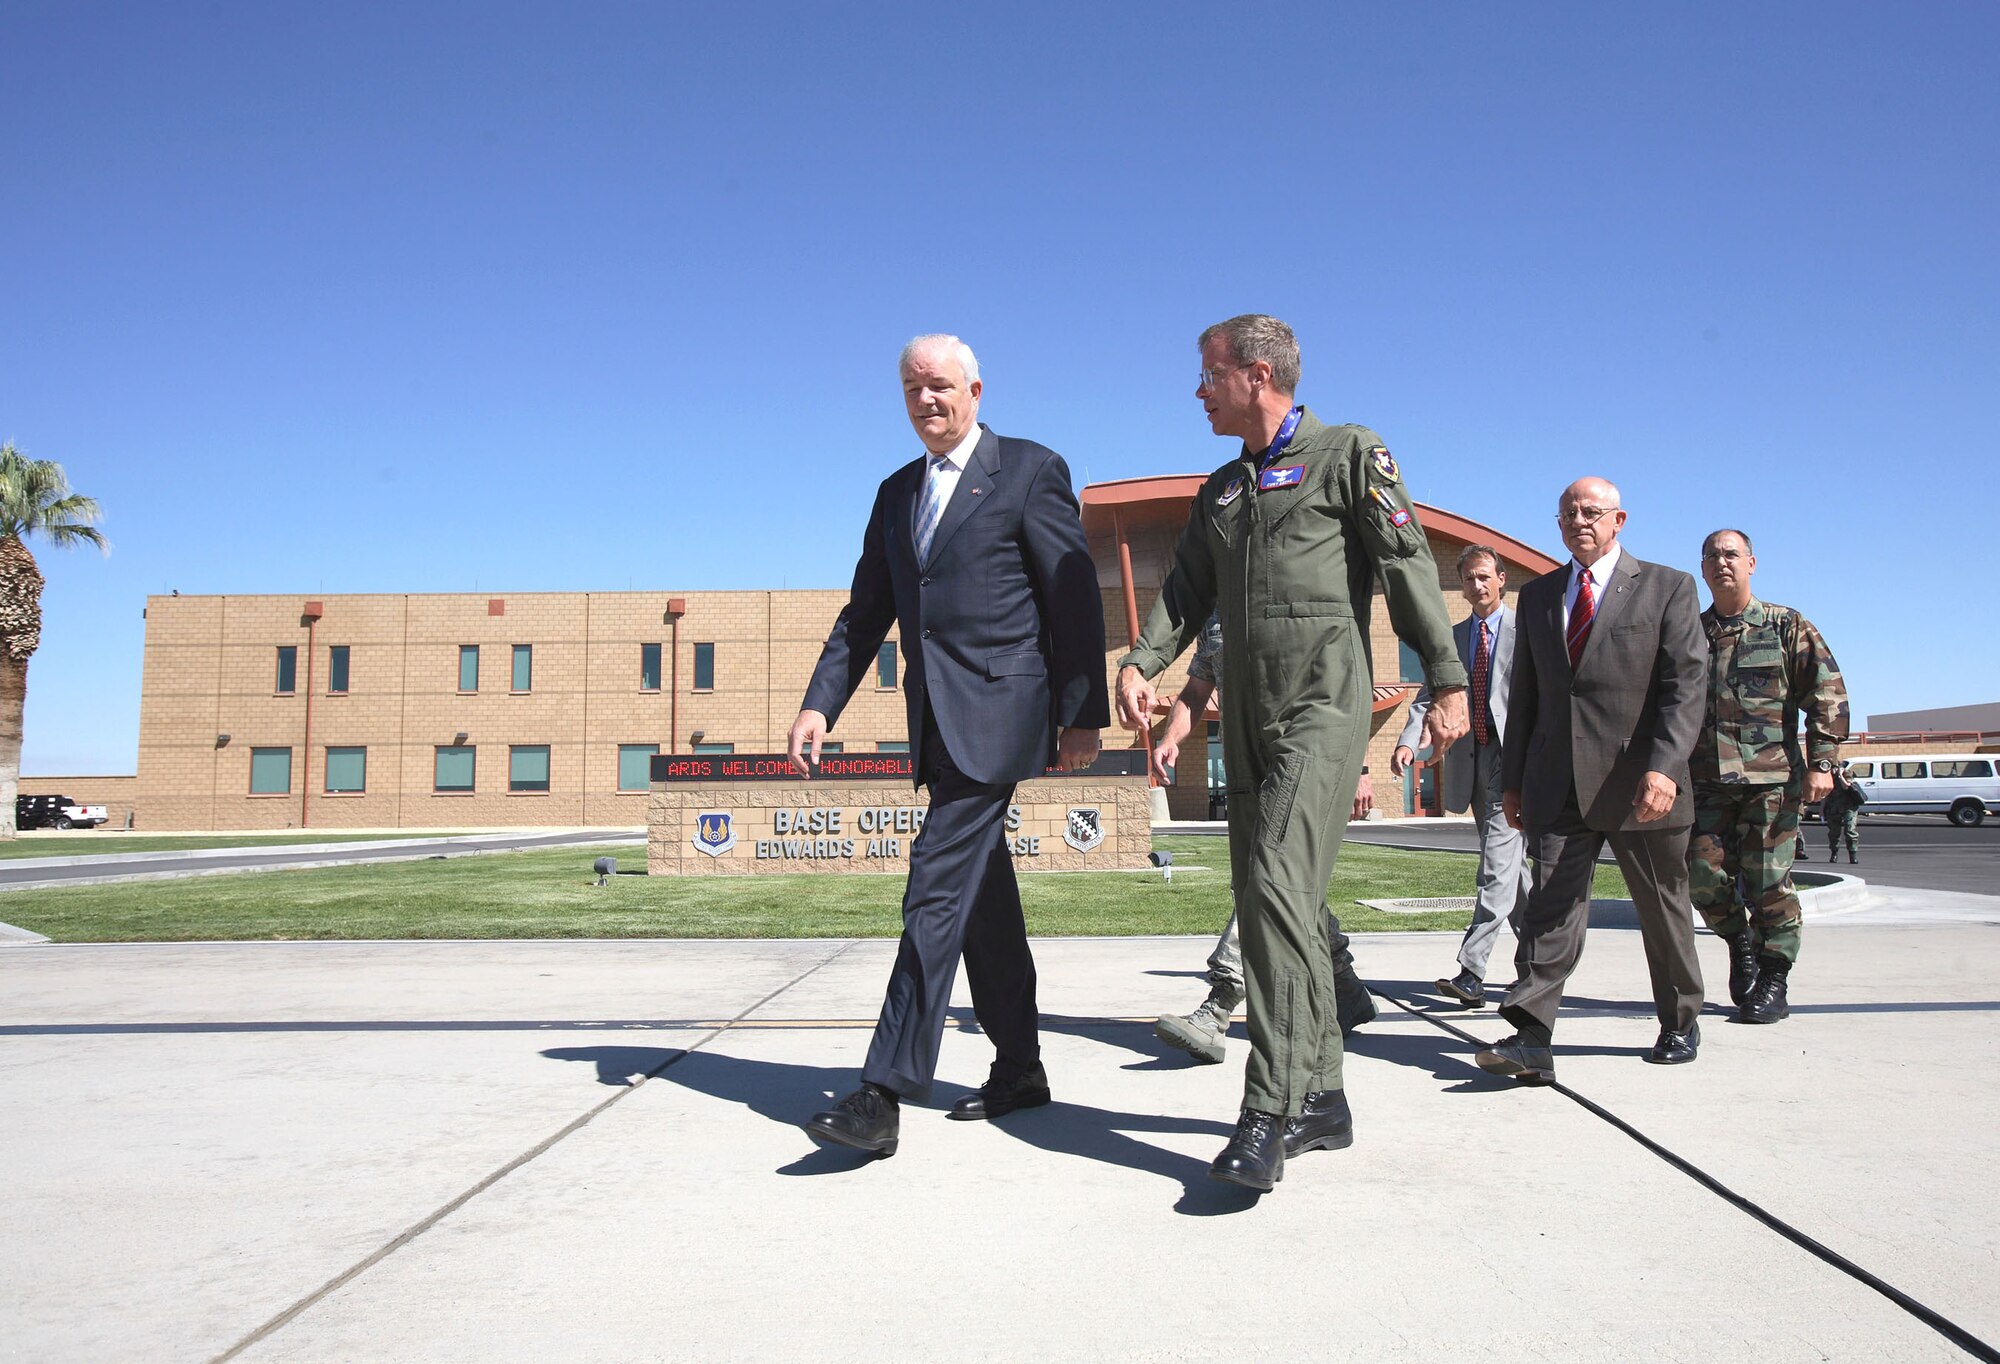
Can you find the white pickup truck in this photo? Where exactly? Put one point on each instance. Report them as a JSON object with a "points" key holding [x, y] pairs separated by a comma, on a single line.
{"points": [[56, 812]]}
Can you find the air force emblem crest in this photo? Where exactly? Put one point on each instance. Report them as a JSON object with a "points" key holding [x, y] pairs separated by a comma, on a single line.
{"points": [[1084, 829], [713, 834]]}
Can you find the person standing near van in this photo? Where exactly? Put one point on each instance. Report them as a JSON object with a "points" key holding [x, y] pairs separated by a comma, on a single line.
{"points": [[1841, 810], [1767, 663]]}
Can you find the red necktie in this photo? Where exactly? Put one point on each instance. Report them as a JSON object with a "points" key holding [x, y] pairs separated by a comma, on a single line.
{"points": [[1482, 663], [1580, 617]]}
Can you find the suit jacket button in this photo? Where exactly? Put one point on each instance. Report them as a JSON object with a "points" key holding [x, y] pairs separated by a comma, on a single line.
{"points": [[923, 582], [929, 633]]}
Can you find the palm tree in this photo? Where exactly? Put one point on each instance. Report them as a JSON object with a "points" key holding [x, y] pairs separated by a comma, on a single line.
{"points": [[35, 499]]}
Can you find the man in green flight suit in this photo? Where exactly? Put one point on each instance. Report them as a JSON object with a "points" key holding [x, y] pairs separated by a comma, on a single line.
{"points": [[1285, 542], [1766, 664]]}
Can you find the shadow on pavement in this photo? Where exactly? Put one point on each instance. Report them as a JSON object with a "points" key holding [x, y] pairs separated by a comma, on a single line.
{"points": [[790, 1094]]}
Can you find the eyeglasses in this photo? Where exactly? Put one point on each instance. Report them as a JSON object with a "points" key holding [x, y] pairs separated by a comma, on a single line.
{"points": [[1209, 377], [1587, 516], [1721, 556]]}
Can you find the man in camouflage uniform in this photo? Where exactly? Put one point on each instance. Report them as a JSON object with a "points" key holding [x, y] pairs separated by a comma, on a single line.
{"points": [[1201, 1034], [1766, 664], [1841, 813], [1286, 541]]}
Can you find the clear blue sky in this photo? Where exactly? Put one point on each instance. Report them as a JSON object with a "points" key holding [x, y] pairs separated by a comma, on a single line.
{"points": [[521, 297]]}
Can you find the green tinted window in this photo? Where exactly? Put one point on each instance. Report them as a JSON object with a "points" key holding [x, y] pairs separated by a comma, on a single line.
{"points": [[336, 668], [704, 667], [528, 767], [347, 769], [715, 748], [885, 666], [468, 667], [454, 767], [635, 766], [649, 667], [288, 668], [892, 748], [270, 771], [524, 667]]}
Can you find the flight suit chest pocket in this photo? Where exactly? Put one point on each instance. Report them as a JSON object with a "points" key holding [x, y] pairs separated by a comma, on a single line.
{"points": [[1230, 514]]}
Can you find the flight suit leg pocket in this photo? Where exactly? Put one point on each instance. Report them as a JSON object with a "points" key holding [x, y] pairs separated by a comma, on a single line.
{"points": [[1276, 798]]}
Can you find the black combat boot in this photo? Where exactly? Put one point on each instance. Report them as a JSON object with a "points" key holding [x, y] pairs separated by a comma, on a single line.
{"points": [[1742, 965], [1851, 858], [1255, 1156], [1353, 1003], [1767, 1002]]}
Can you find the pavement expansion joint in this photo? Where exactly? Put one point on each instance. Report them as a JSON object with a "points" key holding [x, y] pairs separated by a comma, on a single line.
{"points": [[1944, 1326], [418, 1228]]}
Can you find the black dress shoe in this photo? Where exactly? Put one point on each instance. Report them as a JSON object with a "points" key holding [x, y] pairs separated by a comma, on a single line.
{"points": [[1466, 988], [866, 1120], [1675, 1048], [1002, 1094], [1323, 1124], [1255, 1156], [1519, 1059]]}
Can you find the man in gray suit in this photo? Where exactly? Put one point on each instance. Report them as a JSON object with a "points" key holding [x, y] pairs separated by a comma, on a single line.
{"points": [[1609, 684], [1472, 766]]}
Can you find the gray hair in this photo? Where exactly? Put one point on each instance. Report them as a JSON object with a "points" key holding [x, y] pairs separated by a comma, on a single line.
{"points": [[941, 341], [1709, 542], [1471, 552], [1259, 336]]}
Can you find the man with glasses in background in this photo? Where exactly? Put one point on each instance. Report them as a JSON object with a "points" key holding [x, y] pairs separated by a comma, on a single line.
{"points": [[1608, 684], [1767, 663]]}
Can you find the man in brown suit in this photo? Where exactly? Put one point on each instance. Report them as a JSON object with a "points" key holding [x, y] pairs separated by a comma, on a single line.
{"points": [[1610, 679]]}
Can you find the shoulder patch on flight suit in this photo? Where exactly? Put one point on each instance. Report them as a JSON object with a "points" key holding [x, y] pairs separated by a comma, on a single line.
{"points": [[1384, 462], [1229, 493]]}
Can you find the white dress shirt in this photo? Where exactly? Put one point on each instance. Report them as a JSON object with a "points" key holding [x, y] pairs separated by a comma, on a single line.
{"points": [[950, 466], [1600, 574]]}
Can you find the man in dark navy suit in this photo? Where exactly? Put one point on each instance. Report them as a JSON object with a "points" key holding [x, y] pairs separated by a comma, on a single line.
{"points": [[977, 551]]}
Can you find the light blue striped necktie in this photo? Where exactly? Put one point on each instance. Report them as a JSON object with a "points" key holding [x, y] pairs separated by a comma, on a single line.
{"points": [[930, 509]]}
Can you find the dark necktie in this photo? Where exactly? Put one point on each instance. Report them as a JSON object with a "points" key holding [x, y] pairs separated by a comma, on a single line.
{"points": [[1482, 664], [1580, 617]]}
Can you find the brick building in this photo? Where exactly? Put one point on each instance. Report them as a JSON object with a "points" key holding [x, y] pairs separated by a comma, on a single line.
{"points": [[472, 710]]}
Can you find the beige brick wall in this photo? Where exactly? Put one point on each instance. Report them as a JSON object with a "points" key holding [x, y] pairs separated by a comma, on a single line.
{"points": [[210, 670]]}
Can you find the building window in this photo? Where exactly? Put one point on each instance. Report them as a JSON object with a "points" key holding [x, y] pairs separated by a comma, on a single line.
{"points": [[270, 771], [714, 748], [346, 770], [528, 767], [649, 667], [885, 665], [900, 747], [635, 766], [704, 667], [524, 667], [288, 669], [454, 768], [468, 667], [336, 669]]}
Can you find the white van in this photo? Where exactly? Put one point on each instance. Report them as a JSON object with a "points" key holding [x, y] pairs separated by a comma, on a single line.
{"points": [[1961, 786]]}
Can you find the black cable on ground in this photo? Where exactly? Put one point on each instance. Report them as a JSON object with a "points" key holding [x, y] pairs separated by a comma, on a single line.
{"points": [[1937, 1321]]}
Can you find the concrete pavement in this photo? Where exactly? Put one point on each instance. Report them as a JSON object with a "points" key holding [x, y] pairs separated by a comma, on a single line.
{"points": [[453, 1151]]}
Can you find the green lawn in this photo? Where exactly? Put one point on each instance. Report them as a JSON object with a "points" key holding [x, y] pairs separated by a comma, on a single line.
{"points": [[89, 844], [548, 894]]}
